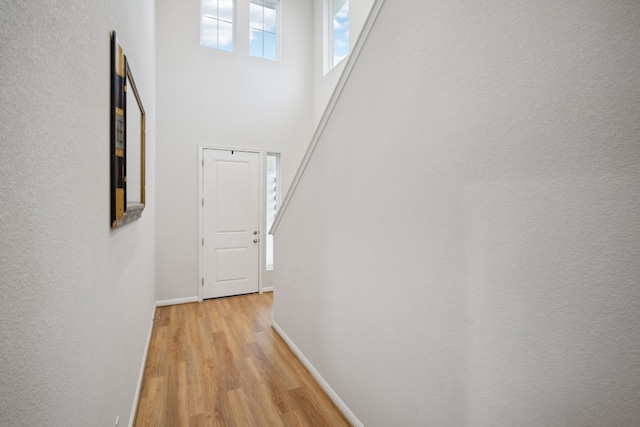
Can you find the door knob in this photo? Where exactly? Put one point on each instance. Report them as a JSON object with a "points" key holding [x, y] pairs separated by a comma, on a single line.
{"points": [[255, 232], [255, 240]]}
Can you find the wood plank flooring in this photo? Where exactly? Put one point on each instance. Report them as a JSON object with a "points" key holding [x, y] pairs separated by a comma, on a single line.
{"points": [[219, 363]]}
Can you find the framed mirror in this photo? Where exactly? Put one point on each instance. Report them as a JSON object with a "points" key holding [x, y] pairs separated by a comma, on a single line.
{"points": [[127, 141]]}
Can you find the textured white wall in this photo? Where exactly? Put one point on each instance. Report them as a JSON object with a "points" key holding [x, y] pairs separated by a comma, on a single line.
{"points": [[211, 97], [464, 246], [76, 298]]}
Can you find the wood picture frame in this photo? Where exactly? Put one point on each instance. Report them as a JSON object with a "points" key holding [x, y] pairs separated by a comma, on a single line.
{"points": [[127, 178]]}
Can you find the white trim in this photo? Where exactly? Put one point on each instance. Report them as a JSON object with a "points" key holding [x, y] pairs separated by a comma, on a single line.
{"points": [[327, 40], [262, 183], [348, 414], [176, 301], [136, 396], [344, 77], [327, 35], [262, 220], [267, 289], [201, 149]]}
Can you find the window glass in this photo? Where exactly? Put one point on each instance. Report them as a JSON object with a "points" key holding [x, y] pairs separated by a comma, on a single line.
{"points": [[263, 29], [210, 7], [270, 43], [209, 32], [340, 45], [225, 10], [255, 15], [273, 172], [257, 42], [270, 18], [217, 24]]}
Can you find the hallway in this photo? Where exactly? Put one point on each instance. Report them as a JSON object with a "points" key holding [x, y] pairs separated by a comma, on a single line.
{"points": [[219, 363]]}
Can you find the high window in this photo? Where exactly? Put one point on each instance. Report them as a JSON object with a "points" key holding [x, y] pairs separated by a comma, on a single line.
{"points": [[217, 24], [263, 29], [337, 32]]}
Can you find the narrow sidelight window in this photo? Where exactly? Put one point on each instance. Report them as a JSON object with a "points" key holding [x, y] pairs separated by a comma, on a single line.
{"points": [[273, 173]]}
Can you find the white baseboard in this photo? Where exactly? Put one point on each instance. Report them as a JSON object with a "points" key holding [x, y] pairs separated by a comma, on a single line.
{"points": [[350, 416], [136, 397], [176, 301], [267, 289]]}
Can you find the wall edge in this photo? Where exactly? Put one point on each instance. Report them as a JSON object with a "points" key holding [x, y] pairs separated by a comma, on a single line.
{"points": [[331, 394]]}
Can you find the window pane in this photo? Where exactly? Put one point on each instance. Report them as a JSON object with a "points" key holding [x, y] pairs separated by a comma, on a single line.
{"points": [[225, 10], [341, 16], [255, 16], [270, 18], [272, 202], [270, 46], [217, 24], [225, 35], [210, 7], [209, 32], [255, 43], [341, 33], [269, 252]]}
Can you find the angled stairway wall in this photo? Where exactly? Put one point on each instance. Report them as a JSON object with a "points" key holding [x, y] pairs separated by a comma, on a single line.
{"points": [[462, 247]]}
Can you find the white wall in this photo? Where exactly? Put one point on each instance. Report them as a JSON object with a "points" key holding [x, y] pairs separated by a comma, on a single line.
{"points": [[463, 248], [211, 97], [76, 298], [324, 84]]}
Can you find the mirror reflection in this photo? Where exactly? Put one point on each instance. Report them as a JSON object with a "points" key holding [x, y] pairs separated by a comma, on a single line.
{"points": [[135, 149]]}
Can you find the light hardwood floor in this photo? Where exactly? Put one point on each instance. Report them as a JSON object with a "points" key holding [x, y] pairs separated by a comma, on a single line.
{"points": [[219, 363]]}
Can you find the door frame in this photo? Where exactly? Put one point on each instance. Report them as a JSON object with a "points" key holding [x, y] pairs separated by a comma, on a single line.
{"points": [[262, 207]]}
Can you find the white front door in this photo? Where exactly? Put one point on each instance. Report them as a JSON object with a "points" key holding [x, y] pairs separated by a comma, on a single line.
{"points": [[231, 218]]}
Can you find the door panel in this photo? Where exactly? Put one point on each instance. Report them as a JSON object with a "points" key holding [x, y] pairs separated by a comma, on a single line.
{"points": [[232, 183], [232, 264], [231, 217]]}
